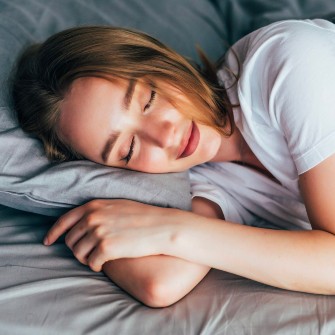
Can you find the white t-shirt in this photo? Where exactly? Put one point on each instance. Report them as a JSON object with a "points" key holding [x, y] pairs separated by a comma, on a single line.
{"points": [[286, 93]]}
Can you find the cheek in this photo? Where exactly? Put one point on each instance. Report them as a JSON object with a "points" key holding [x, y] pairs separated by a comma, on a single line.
{"points": [[209, 144], [152, 161]]}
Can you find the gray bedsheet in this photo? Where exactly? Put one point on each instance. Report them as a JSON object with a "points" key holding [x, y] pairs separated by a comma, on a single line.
{"points": [[44, 290]]}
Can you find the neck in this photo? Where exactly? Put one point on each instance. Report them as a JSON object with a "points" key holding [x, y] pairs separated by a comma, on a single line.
{"points": [[235, 149], [231, 148]]}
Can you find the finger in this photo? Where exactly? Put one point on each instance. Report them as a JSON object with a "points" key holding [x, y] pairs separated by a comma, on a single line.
{"points": [[100, 255], [84, 247], [77, 232], [63, 224], [83, 238]]}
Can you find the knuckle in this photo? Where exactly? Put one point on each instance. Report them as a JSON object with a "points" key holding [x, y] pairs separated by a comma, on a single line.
{"points": [[79, 256], [90, 219], [102, 254], [94, 265], [99, 232], [94, 204], [91, 264], [93, 268]]}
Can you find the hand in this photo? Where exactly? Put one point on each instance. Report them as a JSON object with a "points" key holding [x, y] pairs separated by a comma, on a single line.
{"points": [[104, 230]]}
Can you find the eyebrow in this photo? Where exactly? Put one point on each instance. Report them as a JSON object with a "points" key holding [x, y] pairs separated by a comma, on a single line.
{"points": [[129, 94], [109, 146], [114, 136]]}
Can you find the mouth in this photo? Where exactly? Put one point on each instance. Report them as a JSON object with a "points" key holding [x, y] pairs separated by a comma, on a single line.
{"points": [[190, 142]]}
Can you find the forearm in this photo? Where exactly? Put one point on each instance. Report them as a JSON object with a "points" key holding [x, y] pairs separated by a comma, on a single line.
{"points": [[295, 260], [157, 281], [161, 280]]}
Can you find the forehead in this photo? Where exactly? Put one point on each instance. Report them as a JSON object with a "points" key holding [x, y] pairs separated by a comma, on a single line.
{"points": [[87, 93], [90, 86], [90, 105]]}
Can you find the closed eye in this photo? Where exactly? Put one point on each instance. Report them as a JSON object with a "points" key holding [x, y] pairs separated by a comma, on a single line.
{"points": [[151, 100], [130, 152], [131, 148]]}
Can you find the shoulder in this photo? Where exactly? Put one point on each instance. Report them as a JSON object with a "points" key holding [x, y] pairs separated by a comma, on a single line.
{"points": [[284, 59], [283, 42], [288, 81], [264, 57], [284, 35]]}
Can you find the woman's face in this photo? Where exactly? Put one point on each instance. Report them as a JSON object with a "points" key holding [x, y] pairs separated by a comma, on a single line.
{"points": [[127, 124]]}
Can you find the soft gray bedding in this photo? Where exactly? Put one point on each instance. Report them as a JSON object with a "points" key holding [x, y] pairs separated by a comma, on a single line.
{"points": [[45, 290]]}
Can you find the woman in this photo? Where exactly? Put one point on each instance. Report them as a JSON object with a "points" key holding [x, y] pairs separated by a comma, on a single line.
{"points": [[261, 149]]}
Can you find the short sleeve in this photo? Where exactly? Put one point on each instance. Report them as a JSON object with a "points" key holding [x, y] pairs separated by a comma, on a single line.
{"points": [[232, 209], [248, 197], [290, 68]]}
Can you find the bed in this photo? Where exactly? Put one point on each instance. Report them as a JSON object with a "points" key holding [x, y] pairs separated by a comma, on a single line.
{"points": [[45, 290]]}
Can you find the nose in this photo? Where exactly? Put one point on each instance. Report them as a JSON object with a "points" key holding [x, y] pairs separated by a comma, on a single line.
{"points": [[159, 133]]}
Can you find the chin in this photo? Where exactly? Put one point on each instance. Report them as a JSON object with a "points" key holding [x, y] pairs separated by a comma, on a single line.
{"points": [[209, 146], [207, 154]]}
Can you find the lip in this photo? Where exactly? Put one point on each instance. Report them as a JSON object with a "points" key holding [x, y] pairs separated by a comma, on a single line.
{"points": [[190, 142]]}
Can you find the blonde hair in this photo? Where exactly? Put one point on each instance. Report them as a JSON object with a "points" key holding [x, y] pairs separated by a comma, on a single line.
{"points": [[46, 71]]}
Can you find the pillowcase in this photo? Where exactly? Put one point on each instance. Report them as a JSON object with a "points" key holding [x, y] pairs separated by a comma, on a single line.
{"points": [[28, 181]]}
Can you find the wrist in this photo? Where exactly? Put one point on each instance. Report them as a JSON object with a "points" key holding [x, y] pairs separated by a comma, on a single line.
{"points": [[184, 229]]}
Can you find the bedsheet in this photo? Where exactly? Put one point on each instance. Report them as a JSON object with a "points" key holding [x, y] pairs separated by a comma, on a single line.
{"points": [[45, 290]]}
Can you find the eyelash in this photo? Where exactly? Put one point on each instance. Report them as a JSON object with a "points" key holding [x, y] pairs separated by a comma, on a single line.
{"points": [[132, 144], [131, 151], [151, 100]]}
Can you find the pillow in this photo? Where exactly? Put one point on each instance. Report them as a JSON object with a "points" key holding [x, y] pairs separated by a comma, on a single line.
{"points": [[28, 181], [242, 17]]}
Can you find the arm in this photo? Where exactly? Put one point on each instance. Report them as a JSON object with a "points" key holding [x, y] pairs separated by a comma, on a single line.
{"points": [[294, 260], [157, 280], [161, 280]]}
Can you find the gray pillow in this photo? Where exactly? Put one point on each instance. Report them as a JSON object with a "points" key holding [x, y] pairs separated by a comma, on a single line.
{"points": [[28, 181]]}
